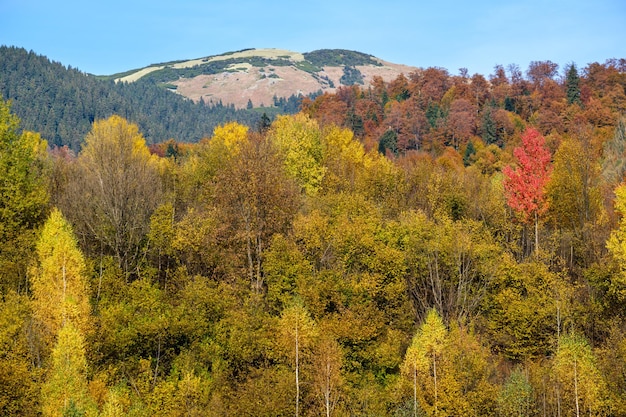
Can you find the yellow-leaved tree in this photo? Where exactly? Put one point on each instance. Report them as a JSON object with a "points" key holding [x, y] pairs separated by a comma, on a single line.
{"points": [[327, 378], [59, 285], [422, 360], [578, 379], [574, 198], [298, 139], [617, 246], [231, 135], [344, 158], [65, 391], [114, 190], [449, 371], [297, 334]]}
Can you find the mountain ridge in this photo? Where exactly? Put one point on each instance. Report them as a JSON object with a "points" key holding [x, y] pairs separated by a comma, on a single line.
{"points": [[62, 102], [255, 77]]}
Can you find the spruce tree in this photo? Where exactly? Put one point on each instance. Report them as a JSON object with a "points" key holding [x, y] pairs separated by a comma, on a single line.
{"points": [[490, 134], [573, 85]]}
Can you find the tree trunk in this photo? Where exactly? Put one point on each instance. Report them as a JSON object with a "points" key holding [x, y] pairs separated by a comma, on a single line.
{"points": [[328, 387], [64, 298], [576, 388], [435, 380], [536, 232], [297, 373], [414, 391]]}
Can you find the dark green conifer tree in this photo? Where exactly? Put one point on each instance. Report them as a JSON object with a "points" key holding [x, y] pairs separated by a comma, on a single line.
{"points": [[573, 85]]}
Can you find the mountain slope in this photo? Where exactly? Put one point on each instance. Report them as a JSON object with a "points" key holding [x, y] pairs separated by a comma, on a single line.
{"points": [[256, 76], [61, 103]]}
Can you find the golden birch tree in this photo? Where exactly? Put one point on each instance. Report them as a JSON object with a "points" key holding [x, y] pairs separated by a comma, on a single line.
{"points": [[579, 381], [297, 334], [422, 362]]}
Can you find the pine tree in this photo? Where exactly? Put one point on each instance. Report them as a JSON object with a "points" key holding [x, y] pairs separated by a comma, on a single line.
{"points": [[470, 151], [490, 134], [573, 85], [388, 142]]}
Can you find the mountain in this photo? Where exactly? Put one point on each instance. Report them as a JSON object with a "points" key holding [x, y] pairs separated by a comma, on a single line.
{"points": [[256, 77], [183, 100], [61, 103]]}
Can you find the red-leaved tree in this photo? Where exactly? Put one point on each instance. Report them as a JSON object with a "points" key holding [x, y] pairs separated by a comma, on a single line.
{"points": [[525, 185]]}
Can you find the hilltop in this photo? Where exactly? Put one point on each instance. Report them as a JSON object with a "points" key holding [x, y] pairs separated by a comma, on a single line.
{"points": [[256, 76]]}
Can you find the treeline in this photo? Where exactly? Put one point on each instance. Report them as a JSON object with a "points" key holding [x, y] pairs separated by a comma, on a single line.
{"points": [[61, 103], [302, 268], [431, 109], [339, 58]]}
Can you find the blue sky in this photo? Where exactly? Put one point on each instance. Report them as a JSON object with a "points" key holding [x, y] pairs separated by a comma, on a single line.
{"points": [[105, 37]]}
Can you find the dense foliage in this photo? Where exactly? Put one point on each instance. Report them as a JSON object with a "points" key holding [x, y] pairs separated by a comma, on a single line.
{"points": [[339, 57], [370, 255]]}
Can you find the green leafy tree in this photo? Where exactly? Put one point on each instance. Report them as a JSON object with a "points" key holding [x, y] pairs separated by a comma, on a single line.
{"points": [[285, 268], [160, 239], [19, 364], [23, 198], [516, 396], [528, 305], [616, 245], [450, 265]]}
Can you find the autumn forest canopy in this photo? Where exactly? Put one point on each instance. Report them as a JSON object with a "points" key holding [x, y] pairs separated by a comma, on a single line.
{"points": [[436, 245]]}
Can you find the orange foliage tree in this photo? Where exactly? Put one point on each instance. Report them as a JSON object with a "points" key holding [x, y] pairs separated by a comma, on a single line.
{"points": [[525, 185]]}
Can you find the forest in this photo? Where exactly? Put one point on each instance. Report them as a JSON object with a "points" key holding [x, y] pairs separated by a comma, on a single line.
{"points": [[439, 245]]}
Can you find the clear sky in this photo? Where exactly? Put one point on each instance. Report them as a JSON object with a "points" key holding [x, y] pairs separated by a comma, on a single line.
{"points": [[106, 37]]}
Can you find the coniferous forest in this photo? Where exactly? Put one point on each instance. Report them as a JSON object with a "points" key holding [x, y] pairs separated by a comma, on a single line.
{"points": [[439, 245]]}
